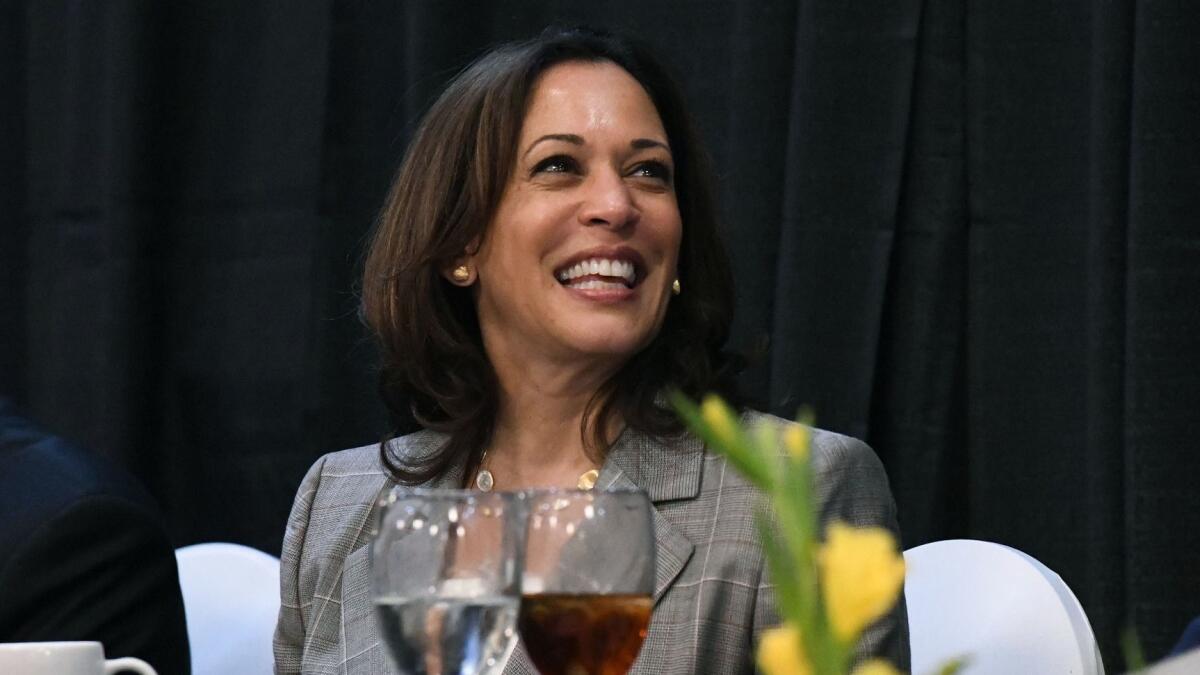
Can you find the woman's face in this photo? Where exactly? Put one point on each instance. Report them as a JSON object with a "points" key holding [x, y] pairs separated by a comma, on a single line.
{"points": [[578, 263]]}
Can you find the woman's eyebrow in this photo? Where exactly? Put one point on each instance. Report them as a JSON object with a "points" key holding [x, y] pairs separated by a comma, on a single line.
{"points": [[575, 139], [567, 138], [643, 143]]}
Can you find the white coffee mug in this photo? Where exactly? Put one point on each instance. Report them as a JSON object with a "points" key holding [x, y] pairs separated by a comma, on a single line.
{"points": [[64, 658]]}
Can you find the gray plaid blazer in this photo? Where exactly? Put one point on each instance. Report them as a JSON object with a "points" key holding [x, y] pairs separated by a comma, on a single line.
{"points": [[712, 596]]}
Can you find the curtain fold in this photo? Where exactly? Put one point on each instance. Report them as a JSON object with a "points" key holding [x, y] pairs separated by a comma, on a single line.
{"points": [[850, 108], [964, 231], [918, 397], [1103, 564], [1162, 319]]}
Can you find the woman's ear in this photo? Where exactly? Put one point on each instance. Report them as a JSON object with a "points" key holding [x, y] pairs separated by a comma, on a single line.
{"points": [[460, 272]]}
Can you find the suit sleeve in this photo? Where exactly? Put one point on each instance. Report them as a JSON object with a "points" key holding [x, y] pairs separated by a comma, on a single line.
{"points": [[295, 595], [102, 569], [852, 487]]}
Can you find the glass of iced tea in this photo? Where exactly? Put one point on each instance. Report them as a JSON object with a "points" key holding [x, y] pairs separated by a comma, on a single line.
{"points": [[446, 579], [588, 581]]}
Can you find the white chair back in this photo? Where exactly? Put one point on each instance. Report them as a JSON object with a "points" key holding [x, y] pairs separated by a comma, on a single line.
{"points": [[231, 599], [1002, 609]]}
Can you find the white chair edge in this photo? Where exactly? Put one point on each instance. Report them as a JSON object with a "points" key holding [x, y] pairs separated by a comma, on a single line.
{"points": [[1079, 622]]}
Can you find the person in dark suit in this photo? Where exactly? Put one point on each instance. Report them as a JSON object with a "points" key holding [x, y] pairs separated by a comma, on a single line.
{"points": [[84, 554], [1189, 640]]}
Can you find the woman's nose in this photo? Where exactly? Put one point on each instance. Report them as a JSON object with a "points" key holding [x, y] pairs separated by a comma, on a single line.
{"points": [[608, 202]]}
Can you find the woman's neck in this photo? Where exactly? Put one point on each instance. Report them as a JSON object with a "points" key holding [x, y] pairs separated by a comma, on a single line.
{"points": [[537, 440]]}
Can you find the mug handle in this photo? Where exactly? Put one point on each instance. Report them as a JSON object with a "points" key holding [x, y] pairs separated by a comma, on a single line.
{"points": [[128, 663]]}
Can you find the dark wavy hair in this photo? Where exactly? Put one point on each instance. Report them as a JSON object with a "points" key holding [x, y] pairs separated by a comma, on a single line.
{"points": [[441, 200]]}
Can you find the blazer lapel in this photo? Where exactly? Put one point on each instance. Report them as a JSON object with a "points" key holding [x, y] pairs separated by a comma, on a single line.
{"points": [[666, 473]]}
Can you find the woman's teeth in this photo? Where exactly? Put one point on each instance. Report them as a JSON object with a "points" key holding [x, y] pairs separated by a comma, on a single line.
{"points": [[614, 269]]}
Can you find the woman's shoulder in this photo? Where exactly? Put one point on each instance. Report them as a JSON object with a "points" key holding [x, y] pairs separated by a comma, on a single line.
{"points": [[366, 458], [363, 466], [830, 450], [337, 498], [850, 481]]}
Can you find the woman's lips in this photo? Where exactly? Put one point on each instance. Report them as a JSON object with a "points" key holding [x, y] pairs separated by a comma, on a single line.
{"points": [[604, 290]]}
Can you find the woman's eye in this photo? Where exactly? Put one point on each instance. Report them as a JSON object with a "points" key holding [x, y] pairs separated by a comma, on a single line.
{"points": [[556, 164], [653, 169]]}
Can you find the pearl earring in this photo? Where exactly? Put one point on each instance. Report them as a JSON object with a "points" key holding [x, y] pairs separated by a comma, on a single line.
{"points": [[461, 274], [675, 287]]}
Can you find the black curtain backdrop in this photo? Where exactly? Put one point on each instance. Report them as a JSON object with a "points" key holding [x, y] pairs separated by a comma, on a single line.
{"points": [[968, 232]]}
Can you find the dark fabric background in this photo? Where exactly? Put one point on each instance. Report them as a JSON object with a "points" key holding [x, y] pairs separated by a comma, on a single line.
{"points": [[967, 232]]}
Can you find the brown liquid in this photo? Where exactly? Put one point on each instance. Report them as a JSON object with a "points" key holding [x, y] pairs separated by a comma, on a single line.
{"points": [[584, 634]]}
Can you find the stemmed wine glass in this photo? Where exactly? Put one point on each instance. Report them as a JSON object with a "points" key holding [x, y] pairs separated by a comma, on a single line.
{"points": [[446, 579], [588, 581]]}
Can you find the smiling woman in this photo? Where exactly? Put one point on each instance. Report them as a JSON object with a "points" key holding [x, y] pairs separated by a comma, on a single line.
{"points": [[542, 165], [547, 266]]}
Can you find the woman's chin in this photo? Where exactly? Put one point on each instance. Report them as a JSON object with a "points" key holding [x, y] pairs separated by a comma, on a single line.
{"points": [[610, 344]]}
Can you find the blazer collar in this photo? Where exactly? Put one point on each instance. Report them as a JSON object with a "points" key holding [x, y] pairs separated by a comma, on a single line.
{"points": [[666, 472]]}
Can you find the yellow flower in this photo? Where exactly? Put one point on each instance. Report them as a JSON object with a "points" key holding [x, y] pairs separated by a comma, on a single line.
{"points": [[796, 439], [781, 652], [861, 576], [719, 418], [875, 667]]}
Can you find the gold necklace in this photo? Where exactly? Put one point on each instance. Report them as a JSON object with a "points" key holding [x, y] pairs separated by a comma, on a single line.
{"points": [[485, 481]]}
